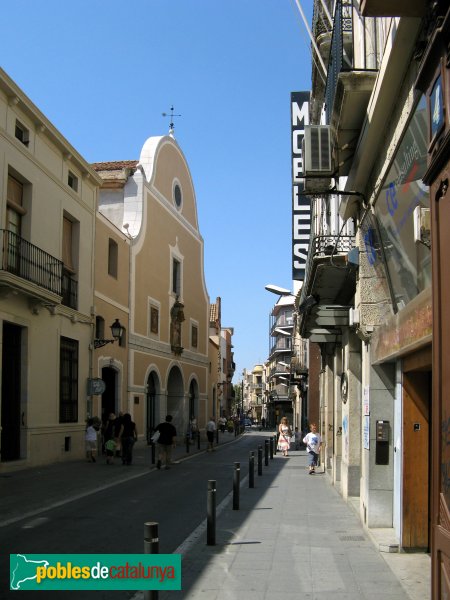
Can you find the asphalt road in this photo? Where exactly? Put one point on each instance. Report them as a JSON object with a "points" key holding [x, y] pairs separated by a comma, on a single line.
{"points": [[112, 521]]}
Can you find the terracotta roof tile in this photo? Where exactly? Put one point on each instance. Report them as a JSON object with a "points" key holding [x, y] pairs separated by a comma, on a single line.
{"points": [[114, 165]]}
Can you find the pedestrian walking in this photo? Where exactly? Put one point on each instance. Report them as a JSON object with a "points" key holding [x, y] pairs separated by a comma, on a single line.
{"points": [[128, 437], [297, 438], [210, 430], [263, 423], [192, 429], [222, 424], [91, 441], [285, 434], [166, 441], [109, 438], [313, 442]]}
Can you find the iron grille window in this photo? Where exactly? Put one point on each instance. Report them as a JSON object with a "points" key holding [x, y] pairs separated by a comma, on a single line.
{"points": [[68, 381]]}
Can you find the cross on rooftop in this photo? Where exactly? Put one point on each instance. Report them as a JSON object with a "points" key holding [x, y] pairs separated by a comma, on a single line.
{"points": [[172, 115]]}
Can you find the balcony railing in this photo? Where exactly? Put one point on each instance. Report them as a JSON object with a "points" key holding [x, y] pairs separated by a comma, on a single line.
{"points": [[342, 51], [69, 291], [29, 262], [326, 245]]}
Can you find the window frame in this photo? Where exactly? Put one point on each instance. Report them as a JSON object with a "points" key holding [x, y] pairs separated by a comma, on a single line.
{"points": [[68, 380]]}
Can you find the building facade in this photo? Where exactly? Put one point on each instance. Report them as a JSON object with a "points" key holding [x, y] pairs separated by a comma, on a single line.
{"points": [[152, 201], [49, 196], [367, 295]]}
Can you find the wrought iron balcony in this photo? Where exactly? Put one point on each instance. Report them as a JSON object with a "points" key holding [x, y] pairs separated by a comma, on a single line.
{"points": [[330, 280], [30, 266], [352, 68], [69, 291], [28, 262]]}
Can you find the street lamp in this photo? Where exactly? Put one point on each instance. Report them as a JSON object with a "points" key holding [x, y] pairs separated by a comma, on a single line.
{"points": [[276, 289], [116, 331]]}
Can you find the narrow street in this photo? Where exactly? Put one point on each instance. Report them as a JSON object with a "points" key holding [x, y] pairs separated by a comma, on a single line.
{"points": [[112, 520]]}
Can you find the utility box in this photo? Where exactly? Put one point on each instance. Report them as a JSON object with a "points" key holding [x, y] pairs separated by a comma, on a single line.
{"points": [[382, 443]]}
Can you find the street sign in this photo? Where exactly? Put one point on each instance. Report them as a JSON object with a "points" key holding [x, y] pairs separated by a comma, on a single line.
{"points": [[96, 386]]}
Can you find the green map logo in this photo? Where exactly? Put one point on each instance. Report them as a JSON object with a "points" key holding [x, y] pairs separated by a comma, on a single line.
{"points": [[95, 572]]}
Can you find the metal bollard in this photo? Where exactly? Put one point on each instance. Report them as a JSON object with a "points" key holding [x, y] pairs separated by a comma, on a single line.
{"points": [[188, 442], [211, 513], [251, 470], [153, 452], [236, 484], [274, 444], [271, 448], [217, 436], [266, 453], [151, 546], [198, 440], [259, 460]]}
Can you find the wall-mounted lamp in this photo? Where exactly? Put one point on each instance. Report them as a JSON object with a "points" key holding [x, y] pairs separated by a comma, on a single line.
{"points": [[116, 331]]}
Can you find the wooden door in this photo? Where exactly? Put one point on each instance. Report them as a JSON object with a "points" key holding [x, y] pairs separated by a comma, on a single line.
{"points": [[440, 531], [416, 459]]}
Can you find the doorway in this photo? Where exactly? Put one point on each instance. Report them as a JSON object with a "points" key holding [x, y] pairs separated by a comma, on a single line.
{"points": [[12, 415], [416, 453], [109, 396], [152, 409]]}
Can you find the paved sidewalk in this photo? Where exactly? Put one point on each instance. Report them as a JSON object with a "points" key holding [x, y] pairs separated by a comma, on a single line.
{"points": [[294, 537]]}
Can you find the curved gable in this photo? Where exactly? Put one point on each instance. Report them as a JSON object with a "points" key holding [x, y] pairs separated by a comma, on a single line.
{"points": [[164, 167]]}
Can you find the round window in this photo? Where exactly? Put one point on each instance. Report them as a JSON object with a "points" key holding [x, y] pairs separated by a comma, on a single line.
{"points": [[178, 197]]}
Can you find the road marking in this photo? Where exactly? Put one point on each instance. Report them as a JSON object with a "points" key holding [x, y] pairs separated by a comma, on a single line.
{"points": [[35, 523]]}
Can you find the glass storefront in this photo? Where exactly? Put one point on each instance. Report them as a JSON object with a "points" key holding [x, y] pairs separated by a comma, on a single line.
{"points": [[408, 261]]}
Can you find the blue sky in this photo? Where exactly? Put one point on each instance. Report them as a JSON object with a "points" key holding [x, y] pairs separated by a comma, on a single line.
{"points": [[103, 71]]}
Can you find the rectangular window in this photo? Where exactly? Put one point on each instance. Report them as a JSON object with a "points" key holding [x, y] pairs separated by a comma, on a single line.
{"points": [[113, 253], [68, 381], [154, 320], [176, 274], [22, 133], [72, 181], [194, 336], [67, 245]]}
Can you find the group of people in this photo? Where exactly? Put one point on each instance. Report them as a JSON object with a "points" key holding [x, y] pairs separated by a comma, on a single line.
{"points": [[119, 435], [312, 440]]}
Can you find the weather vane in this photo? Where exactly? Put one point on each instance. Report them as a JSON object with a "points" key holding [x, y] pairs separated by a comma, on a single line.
{"points": [[172, 115]]}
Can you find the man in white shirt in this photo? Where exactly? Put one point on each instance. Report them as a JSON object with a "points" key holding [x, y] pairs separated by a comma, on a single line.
{"points": [[210, 430]]}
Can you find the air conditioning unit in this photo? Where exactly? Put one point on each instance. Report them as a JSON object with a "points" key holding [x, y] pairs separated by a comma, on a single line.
{"points": [[316, 151]]}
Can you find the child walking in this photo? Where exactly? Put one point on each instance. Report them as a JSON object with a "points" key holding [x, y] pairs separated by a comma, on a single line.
{"points": [[91, 441], [313, 443]]}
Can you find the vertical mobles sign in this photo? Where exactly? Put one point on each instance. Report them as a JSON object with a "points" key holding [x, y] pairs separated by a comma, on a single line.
{"points": [[301, 205]]}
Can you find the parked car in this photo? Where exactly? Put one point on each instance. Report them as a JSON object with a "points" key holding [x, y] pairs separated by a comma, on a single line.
{"points": [[247, 423]]}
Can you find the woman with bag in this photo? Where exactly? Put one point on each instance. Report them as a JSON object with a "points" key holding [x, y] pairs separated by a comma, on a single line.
{"points": [[285, 434]]}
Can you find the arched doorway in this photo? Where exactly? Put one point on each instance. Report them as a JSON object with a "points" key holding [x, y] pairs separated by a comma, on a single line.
{"points": [[153, 409], [175, 401], [193, 400]]}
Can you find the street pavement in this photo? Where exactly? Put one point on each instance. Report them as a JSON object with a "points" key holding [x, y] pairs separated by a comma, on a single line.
{"points": [[293, 534]]}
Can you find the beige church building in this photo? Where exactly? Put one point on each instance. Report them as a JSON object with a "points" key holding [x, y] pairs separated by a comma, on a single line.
{"points": [[151, 204]]}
